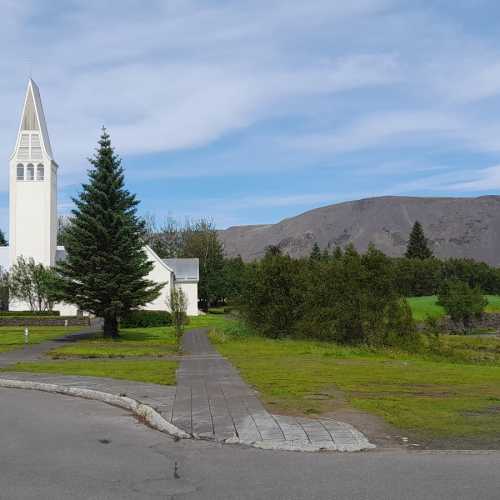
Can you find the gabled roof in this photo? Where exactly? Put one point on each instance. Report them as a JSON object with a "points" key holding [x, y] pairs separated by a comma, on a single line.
{"points": [[33, 118], [184, 269]]}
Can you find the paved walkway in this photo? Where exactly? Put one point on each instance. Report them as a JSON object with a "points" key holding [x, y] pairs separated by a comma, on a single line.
{"points": [[211, 401]]}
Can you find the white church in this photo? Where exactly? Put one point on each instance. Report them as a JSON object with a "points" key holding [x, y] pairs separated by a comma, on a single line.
{"points": [[33, 214]]}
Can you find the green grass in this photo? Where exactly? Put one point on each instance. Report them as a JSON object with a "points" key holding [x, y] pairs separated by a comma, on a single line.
{"points": [[426, 396], [13, 337], [98, 357], [134, 342], [427, 306], [151, 371]]}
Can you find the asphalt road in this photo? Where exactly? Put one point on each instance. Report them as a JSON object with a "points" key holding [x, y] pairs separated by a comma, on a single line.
{"points": [[54, 447]]}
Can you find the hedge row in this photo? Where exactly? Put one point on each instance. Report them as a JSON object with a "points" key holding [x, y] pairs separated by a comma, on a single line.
{"points": [[143, 319]]}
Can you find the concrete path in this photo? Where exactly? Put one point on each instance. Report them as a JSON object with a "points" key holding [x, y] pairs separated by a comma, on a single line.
{"points": [[213, 401]]}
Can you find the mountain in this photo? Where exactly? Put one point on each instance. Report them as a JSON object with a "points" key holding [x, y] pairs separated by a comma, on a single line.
{"points": [[456, 227]]}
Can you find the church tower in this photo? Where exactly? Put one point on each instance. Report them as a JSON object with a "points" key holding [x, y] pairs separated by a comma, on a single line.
{"points": [[33, 186]]}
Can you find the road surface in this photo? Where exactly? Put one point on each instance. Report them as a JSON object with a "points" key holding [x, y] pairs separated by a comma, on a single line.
{"points": [[57, 447]]}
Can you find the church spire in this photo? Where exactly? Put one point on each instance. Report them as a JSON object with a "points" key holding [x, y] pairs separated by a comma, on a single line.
{"points": [[33, 138]]}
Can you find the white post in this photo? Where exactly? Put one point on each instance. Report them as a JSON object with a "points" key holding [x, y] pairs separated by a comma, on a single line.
{"points": [[26, 335], [65, 323]]}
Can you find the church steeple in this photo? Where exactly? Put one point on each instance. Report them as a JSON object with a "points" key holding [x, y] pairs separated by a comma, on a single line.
{"points": [[33, 186], [33, 138]]}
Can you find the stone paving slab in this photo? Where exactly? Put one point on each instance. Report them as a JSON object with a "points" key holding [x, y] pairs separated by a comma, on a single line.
{"points": [[211, 401]]}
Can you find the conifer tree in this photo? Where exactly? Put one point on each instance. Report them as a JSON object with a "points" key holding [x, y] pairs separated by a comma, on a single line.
{"points": [[418, 247], [106, 267], [3, 240], [316, 252]]}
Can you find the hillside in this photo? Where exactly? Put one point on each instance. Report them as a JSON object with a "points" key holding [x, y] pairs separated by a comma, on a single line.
{"points": [[456, 227]]}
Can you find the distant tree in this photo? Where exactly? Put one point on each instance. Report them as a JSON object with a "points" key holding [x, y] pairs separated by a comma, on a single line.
{"points": [[418, 245], [3, 240], [316, 252], [166, 239], [337, 253], [462, 302], [233, 277], [106, 268], [325, 254], [62, 225], [273, 250], [201, 240], [34, 284]]}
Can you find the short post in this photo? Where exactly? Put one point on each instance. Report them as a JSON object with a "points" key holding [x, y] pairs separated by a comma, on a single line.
{"points": [[65, 323], [26, 335]]}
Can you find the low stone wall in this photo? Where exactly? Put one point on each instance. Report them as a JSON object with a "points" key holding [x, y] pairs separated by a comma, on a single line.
{"points": [[488, 321], [44, 321]]}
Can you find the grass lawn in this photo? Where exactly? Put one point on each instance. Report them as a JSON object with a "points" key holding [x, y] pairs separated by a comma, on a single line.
{"points": [[426, 306], [427, 397], [13, 337], [98, 357], [134, 342], [152, 371]]}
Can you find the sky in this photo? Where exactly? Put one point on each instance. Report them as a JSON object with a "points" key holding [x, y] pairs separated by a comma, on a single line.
{"points": [[248, 112]]}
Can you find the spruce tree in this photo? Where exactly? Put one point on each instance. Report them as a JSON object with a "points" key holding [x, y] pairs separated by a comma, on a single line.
{"points": [[418, 247], [316, 252], [106, 268], [3, 240]]}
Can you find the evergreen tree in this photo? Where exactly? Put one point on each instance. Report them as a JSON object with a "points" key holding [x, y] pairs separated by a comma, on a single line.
{"points": [[418, 247], [3, 240], [106, 267], [316, 252], [337, 253]]}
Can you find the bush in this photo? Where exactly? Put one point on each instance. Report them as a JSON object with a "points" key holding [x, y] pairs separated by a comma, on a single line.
{"points": [[23, 314], [462, 302], [350, 299], [144, 319]]}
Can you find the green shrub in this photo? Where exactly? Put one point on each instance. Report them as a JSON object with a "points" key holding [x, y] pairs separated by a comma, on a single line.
{"points": [[144, 319], [462, 302], [23, 314]]}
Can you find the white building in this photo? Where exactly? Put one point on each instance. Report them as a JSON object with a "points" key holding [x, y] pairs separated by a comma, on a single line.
{"points": [[33, 213]]}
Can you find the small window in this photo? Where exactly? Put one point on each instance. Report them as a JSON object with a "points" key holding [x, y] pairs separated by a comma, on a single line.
{"points": [[20, 172], [30, 172], [39, 172]]}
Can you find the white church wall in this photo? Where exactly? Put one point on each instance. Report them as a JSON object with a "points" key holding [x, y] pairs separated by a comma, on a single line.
{"points": [[159, 274], [191, 292]]}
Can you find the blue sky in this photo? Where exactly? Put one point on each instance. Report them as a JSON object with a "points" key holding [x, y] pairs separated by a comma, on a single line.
{"points": [[252, 111]]}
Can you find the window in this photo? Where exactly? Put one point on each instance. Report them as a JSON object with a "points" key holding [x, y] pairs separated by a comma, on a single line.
{"points": [[20, 172], [39, 172], [30, 172]]}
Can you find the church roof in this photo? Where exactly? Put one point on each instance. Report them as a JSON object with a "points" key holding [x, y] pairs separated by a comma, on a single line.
{"points": [[33, 119], [184, 269]]}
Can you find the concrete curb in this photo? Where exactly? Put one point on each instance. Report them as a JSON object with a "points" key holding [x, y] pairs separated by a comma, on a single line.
{"points": [[152, 418], [145, 412]]}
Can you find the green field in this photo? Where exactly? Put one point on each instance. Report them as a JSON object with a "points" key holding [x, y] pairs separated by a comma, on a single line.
{"points": [[426, 306], [434, 397], [13, 337]]}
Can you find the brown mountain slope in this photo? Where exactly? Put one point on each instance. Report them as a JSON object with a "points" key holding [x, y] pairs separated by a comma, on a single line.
{"points": [[456, 227]]}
